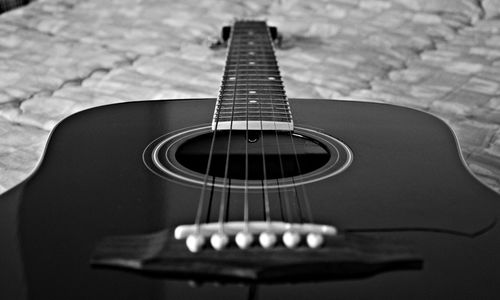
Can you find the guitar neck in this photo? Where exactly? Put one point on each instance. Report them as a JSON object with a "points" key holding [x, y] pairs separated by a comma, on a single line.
{"points": [[252, 96]]}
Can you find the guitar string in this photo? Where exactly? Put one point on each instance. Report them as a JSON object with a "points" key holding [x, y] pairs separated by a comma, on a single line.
{"points": [[210, 156], [209, 206], [264, 172], [305, 197], [265, 192], [205, 179], [304, 193], [224, 199], [280, 158], [263, 182], [247, 140]]}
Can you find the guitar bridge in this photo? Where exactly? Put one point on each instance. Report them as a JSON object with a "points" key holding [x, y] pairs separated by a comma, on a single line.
{"points": [[243, 233], [341, 257]]}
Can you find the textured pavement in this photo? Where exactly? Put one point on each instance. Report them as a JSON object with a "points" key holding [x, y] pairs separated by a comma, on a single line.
{"points": [[58, 57]]}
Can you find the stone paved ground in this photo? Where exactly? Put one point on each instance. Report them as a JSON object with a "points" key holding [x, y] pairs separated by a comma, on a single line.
{"points": [[58, 57]]}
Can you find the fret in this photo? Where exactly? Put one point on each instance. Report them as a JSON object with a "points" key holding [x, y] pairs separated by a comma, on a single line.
{"points": [[240, 71], [250, 108], [227, 78], [246, 87], [262, 73], [246, 67], [253, 106], [253, 83], [277, 99], [246, 60], [255, 95], [251, 43], [251, 50], [244, 95], [251, 95], [256, 118], [251, 53], [248, 95], [242, 68], [254, 112], [277, 104], [250, 65], [250, 47], [253, 89], [255, 60], [243, 105], [253, 115]]}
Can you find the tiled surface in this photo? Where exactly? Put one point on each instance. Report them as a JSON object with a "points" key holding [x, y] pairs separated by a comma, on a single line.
{"points": [[61, 56]]}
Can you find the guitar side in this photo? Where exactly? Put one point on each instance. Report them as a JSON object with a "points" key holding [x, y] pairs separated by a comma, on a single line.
{"points": [[92, 183]]}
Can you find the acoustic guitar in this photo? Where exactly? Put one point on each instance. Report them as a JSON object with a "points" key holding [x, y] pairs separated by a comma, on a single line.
{"points": [[250, 196]]}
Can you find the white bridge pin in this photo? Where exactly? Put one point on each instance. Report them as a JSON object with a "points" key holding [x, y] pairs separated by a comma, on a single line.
{"points": [[315, 240], [291, 239], [195, 242], [219, 241], [244, 239], [267, 239]]}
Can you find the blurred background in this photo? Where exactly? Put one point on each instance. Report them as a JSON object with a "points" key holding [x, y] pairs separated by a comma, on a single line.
{"points": [[58, 57], [6, 5]]}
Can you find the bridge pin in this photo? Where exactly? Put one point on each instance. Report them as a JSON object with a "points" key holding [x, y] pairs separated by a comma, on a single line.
{"points": [[267, 239], [244, 239], [195, 242], [291, 239], [314, 240], [219, 241]]}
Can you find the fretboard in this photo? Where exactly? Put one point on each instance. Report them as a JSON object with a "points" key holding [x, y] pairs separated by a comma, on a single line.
{"points": [[252, 95]]}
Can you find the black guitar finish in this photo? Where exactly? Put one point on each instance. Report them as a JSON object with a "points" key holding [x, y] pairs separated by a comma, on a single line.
{"points": [[407, 182]]}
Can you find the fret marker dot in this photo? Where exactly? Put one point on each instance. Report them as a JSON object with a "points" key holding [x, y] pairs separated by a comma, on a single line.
{"points": [[252, 92], [232, 78], [253, 101], [251, 43], [251, 53], [251, 63], [271, 78]]}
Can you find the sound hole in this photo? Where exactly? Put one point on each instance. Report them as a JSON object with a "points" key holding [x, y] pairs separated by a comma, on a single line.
{"points": [[284, 155], [183, 156]]}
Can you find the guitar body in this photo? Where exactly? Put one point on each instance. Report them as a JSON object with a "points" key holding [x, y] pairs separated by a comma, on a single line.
{"points": [[407, 181]]}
